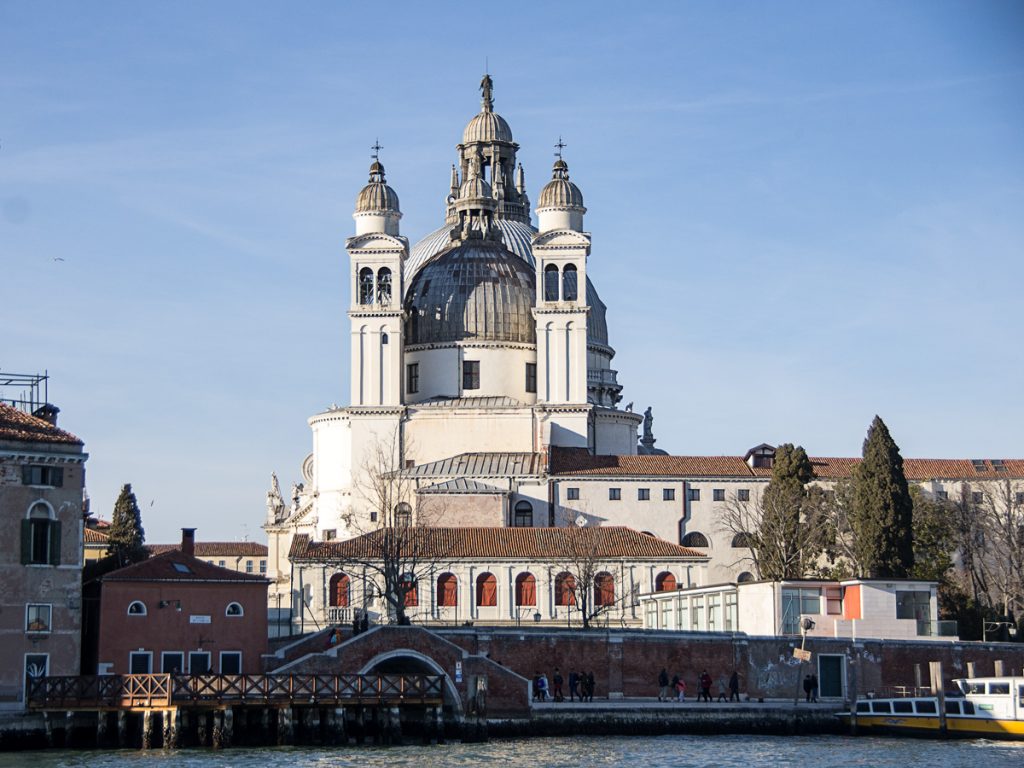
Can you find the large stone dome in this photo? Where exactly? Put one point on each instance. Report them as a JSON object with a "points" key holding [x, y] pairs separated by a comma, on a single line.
{"points": [[377, 195], [560, 192], [475, 291]]}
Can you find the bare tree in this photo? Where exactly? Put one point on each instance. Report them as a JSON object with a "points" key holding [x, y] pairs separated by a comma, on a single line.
{"points": [[392, 542], [1001, 518], [588, 580]]}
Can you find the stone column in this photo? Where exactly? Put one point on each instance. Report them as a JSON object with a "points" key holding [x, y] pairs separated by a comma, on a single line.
{"points": [[615, 668]]}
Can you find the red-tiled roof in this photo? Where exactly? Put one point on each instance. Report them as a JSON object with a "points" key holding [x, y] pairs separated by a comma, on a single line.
{"points": [[575, 462], [23, 427], [601, 543], [162, 568], [216, 548], [92, 536]]}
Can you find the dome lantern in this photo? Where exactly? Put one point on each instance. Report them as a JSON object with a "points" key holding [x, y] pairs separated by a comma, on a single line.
{"points": [[377, 207], [560, 205]]}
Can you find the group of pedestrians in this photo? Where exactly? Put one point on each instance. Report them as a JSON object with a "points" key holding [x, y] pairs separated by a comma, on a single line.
{"points": [[581, 686], [674, 689]]}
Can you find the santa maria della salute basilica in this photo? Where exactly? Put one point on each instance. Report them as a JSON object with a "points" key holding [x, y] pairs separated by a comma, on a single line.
{"points": [[485, 420]]}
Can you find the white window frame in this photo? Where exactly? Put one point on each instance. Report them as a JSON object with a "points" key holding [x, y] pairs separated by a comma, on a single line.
{"points": [[179, 654], [143, 612], [230, 653], [241, 610], [140, 652], [24, 670], [209, 662], [49, 620]]}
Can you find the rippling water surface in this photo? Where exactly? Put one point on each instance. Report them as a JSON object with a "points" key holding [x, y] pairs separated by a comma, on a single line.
{"points": [[574, 752]]}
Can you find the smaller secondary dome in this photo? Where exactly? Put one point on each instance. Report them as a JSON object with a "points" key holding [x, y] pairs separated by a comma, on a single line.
{"points": [[377, 195], [487, 127], [474, 188], [560, 192]]}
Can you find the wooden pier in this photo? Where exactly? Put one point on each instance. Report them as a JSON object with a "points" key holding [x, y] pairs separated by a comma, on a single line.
{"points": [[218, 710]]}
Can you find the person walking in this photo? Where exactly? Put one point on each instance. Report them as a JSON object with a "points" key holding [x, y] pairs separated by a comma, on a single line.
{"points": [[663, 690], [705, 686], [542, 684], [722, 686], [590, 686], [807, 688], [734, 686], [680, 687], [574, 686], [814, 689], [557, 680]]}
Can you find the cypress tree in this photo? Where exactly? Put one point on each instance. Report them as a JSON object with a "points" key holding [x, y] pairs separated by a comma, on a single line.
{"points": [[883, 511], [125, 536], [786, 551]]}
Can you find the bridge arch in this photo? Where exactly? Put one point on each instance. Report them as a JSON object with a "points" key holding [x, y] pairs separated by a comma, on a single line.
{"points": [[406, 660]]}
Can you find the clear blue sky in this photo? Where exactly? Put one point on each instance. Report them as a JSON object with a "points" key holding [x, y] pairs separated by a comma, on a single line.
{"points": [[803, 214]]}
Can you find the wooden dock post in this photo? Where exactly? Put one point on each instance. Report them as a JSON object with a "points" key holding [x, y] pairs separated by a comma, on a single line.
{"points": [[314, 724], [918, 684], [394, 725], [439, 723], [285, 734], [998, 668], [336, 727], [203, 728], [69, 729], [122, 729], [102, 727], [970, 669], [172, 728], [359, 726], [147, 729], [48, 728]]}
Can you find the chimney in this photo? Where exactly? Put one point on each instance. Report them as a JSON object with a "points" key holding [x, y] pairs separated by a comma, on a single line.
{"points": [[188, 541], [47, 412]]}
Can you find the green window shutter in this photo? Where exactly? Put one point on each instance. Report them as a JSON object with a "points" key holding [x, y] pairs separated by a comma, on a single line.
{"points": [[26, 541], [54, 542]]}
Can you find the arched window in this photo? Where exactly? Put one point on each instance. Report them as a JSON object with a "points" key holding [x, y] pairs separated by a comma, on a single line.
{"points": [[551, 283], [526, 589], [565, 589], [412, 590], [486, 590], [403, 514], [384, 286], [447, 590], [234, 609], [523, 515], [40, 536], [366, 286], [340, 587], [745, 577], [664, 582], [136, 608], [569, 292], [604, 589], [695, 539], [742, 540]]}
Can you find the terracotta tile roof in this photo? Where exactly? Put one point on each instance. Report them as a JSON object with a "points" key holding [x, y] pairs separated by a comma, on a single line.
{"points": [[216, 549], [92, 536], [23, 427], [576, 462], [603, 543], [162, 568]]}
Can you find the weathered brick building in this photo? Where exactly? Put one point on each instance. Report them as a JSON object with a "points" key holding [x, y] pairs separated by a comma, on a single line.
{"points": [[42, 479]]}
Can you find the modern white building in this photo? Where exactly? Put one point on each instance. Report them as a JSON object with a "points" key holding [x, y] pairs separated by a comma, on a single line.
{"points": [[890, 609]]}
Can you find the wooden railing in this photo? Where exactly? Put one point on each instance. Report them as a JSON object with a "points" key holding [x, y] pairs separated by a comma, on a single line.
{"points": [[148, 691]]}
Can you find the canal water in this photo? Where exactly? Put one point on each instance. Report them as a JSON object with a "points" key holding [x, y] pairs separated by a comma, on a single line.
{"points": [[571, 752]]}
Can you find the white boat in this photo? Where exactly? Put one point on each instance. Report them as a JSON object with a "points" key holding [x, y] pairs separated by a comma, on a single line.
{"points": [[989, 707]]}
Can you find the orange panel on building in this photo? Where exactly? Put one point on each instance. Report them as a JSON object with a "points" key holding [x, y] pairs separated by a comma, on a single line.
{"points": [[851, 602]]}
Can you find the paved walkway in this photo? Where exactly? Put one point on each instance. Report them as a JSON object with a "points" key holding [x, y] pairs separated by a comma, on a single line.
{"points": [[689, 704]]}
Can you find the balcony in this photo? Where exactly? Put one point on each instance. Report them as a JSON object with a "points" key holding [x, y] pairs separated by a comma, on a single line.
{"points": [[339, 615], [603, 376], [928, 628]]}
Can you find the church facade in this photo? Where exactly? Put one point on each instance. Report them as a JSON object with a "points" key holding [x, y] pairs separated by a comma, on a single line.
{"points": [[483, 398]]}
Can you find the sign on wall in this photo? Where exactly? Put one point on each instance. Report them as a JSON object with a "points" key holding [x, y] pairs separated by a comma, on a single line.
{"points": [[196, 619]]}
